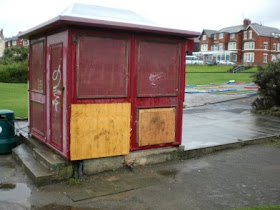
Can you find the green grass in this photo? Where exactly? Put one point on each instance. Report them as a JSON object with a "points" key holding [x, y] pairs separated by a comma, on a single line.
{"points": [[269, 207], [215, 78], [253, 69], [207, 68], [14, 97]]}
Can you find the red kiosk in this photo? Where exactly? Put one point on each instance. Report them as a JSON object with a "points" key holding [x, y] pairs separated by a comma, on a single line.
{"points": [[102, 86]]}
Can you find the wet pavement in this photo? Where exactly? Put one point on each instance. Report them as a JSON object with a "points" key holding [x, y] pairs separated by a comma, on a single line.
{"points": [[243, 177], [226, 122]]}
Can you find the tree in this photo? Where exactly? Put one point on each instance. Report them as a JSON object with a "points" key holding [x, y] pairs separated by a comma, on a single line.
{"points": [[14, 54], [268, 79]]}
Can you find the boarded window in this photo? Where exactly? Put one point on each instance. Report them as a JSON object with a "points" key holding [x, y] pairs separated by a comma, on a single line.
{"points": [[156, 126], [37, 70], [37, 116], [157, 69], [102, 67]]}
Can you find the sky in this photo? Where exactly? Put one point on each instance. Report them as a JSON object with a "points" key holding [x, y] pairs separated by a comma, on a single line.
{"points": [[195, 15]]}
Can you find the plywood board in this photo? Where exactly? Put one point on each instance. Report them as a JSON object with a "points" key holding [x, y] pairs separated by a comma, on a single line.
{"points": [[99, 130], [156, 126]]}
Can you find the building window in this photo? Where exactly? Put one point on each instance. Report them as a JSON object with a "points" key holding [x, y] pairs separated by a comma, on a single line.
{"points": [[234, 57], [273, 58], [215, 36], [265, 45], [232, 46], [232, 36], [204, 37], [248, 57], [249, 45], [214, 47], [221, 46], [250, 34], [9, 44], [25, 42], [14, 43], [245, 35], [278, 47], [204, 47], [221, 35], [274, 46], [264, 58]]}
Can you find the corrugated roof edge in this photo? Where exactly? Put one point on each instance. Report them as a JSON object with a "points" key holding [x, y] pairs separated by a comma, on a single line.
{"points": [[76, 21]]}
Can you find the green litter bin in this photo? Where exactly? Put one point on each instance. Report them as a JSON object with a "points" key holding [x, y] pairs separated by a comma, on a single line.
{"points": [[7, 131]]}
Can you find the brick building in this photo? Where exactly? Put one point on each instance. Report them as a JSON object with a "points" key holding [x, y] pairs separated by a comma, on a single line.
{"points": [[249, 44], [16, 42]]}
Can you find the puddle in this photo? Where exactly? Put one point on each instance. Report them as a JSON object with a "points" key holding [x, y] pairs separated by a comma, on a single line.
{"points": [[15, 194]]}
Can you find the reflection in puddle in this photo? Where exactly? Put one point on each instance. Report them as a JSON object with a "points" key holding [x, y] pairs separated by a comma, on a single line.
{"points": [[15, 193]]}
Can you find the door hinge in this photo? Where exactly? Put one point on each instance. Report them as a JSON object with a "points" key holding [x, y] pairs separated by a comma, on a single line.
{"points": [[74, 40]]}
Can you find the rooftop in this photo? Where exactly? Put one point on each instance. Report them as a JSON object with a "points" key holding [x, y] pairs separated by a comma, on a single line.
{"points": [[104, 17], [260, 29]]}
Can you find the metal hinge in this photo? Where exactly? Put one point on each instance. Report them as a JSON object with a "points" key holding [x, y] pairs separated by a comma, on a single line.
{"points": [[74, 40]]}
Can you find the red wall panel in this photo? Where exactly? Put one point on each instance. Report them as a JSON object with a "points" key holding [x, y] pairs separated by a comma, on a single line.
{"points": [[37, 77], [37, 121], [102, 67], [157, 69]]}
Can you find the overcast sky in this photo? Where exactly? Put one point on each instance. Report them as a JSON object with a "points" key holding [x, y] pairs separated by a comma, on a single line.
{"points": [[195, 15]]}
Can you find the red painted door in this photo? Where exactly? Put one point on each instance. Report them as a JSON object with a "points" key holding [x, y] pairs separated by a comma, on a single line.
{"points": [[37, 90], [56, 95]]}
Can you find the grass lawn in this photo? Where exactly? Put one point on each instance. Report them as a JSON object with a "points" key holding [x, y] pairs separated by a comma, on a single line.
{"points": [[207, 68], [14, 97], [268, 207], [194, 77]]}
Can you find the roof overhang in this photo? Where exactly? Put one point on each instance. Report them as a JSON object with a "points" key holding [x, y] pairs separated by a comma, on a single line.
{"points": [[61, 21]]}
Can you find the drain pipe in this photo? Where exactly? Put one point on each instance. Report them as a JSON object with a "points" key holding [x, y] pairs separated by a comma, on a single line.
{"points": [[78, 169]]}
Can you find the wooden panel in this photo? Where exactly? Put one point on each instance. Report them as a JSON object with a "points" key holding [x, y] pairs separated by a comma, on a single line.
{"points": [[157, 69], [99, 130], [102, 67], [156, 126]]}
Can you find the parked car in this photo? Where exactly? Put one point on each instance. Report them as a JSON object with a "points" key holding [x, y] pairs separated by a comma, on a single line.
{"points": [[191, 59], [225, 63]]}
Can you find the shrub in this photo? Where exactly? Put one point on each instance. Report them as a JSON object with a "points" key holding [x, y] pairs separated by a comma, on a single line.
{"points": [[268, 79], [14, 73]]}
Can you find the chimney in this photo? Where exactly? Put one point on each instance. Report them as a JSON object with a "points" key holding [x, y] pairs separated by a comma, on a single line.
{"points": [[246, 22]]}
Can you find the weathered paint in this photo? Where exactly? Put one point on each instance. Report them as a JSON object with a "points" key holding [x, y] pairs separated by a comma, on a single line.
{"points": [[56, 95], [37, 93], [103, 61], [156, 126], [99, 130], [141, 81], [57, 56]]}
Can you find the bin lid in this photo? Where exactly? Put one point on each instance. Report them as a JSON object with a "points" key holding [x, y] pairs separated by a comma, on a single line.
{"points": [[6, 111]]}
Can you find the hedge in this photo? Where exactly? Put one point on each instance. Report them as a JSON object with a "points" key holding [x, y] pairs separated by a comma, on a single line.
{"points": [[14, 73]]}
